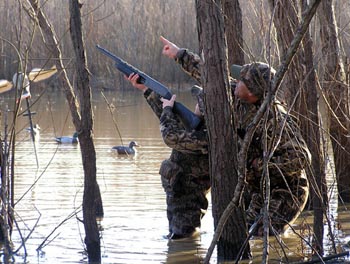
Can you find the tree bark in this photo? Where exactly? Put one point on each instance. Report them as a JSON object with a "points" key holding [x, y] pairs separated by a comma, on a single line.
{"points": [[337, 93], [218, 115], [92, 238], [82, 121], [5, 199], [233, 31], [312, 126], [301, 94]]}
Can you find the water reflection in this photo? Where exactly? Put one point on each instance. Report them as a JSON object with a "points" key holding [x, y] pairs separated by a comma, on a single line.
{"points": [[49, 196], [184, 251]]}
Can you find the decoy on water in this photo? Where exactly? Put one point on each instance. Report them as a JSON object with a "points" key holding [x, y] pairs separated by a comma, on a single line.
{"points": [[68, 140], [130, 150]]}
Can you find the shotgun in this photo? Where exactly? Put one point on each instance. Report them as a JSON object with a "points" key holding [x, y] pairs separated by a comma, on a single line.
{"points": [[187, 117]]}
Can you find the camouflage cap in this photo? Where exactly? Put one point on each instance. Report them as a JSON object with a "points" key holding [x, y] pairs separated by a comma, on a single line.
{"points": [[235, 71], [197, 92], [257, 76]]}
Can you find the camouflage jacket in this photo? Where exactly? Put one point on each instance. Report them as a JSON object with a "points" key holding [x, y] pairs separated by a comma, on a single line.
{"points": [[174, 133], [279, 132], [189, 156], [190, 63]]}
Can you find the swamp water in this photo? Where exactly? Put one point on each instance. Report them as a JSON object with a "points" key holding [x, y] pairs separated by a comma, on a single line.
{"points": [[49, 196]]}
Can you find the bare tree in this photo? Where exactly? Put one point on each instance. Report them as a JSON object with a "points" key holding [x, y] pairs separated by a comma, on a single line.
{"points": [[312, 129], [91, 188], [223, 148], [233, 31], [334, 85], [81, 116], [301, 95]]}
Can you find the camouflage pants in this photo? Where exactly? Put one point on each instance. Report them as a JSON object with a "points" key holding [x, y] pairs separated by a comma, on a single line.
{"points": [[284, 208], [186, 199]]}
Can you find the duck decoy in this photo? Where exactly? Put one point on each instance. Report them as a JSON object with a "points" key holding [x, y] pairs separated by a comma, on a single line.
{"points": [[68, 140], [126, 150]]}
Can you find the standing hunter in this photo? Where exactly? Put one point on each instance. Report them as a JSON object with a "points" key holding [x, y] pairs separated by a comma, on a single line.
{"points": [[185, 175]]}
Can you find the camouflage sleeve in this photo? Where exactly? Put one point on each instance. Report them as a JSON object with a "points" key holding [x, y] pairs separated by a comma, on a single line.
{"points": [[177, 137], [291, 155], [190, 63], [153, 100]]}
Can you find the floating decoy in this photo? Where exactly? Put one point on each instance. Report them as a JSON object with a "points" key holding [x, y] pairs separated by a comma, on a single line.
{"points": [[68, 140], [126, 150]]}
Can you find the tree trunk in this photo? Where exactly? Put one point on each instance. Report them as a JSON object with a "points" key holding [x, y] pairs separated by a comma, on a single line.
{"points": [[233, 31], [3, 183], [338, 98], [311, 126], [301, 94], [83, 122], [218, 115], [92, 238], [3, 191]]}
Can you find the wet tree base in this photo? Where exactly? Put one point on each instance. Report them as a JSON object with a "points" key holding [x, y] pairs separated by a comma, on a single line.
{"points": [[94, 252], [224, 252]]}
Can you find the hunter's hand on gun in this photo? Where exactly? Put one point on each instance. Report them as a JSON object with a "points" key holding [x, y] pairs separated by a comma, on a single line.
{"points": [[169, 49], [132, 78], [168, 102]]}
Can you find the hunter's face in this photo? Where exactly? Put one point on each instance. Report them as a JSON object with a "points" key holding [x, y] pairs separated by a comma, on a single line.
{"points": [[243, 93]]}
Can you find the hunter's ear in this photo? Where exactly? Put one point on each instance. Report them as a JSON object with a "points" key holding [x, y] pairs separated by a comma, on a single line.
{"points": [[251, 94], [251, 98]]}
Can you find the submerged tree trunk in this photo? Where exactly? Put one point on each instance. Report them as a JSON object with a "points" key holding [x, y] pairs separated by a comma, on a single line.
{"points": [[4, 196], [311, 126], [82, 120], [3, 184], [338, 98], [218, 115], [82, 82], [301, 95]]}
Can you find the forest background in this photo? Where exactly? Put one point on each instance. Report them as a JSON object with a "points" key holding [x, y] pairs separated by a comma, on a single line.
{"points": [[131, 29]]}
